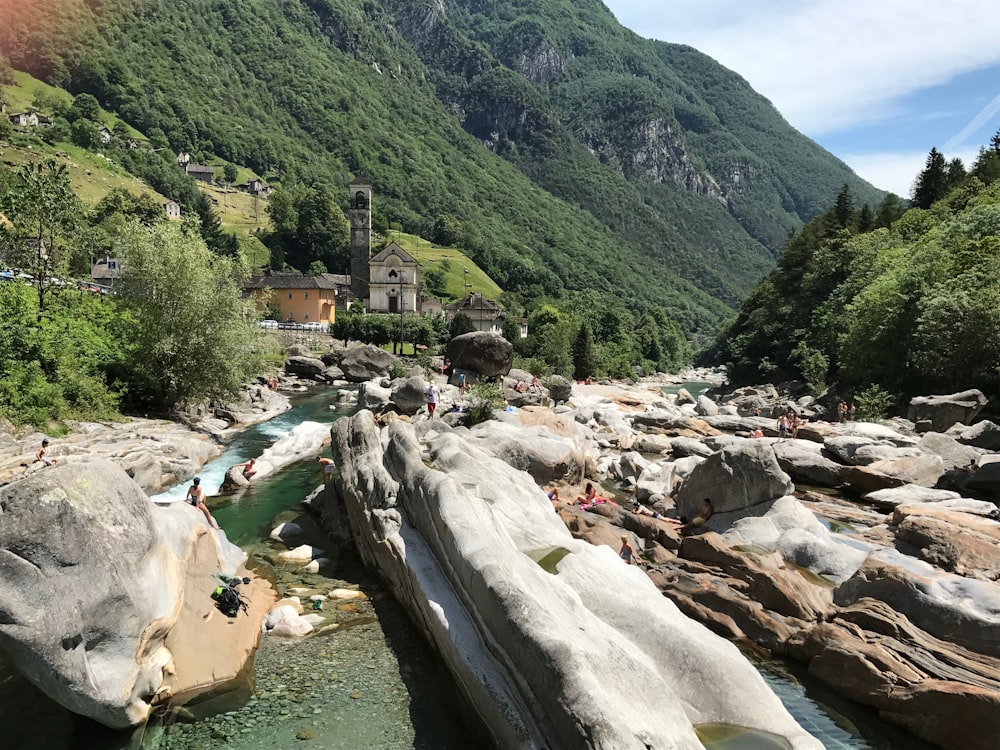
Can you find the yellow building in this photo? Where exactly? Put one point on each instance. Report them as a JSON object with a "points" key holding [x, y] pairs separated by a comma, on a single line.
{"points": [[299, 298]]}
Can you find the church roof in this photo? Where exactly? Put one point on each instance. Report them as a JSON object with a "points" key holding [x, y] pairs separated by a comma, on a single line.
{"points": [[393, 249], [360, 179]]}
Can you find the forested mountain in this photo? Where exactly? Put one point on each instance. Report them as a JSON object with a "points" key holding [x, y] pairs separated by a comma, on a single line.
{"points": [[887, 305], [560, 150]]}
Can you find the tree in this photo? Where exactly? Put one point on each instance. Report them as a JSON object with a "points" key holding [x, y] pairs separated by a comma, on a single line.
{"points": [[890, 209], [956, 174], [194, 331], [433, 278], [218, 240], [584, 356], [84, 107], [866, 219], [43, 212], [460, 324], [84, 134], [932, 182], [321, 232], [843, 209], [143, 207], [230, 172], [316, 268]]}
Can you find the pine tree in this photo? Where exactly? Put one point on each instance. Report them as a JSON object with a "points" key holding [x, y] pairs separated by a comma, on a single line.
{"points": [[890, 209], [866, 220], [843, 210], [584, 356], [932, 182], [956, 173]]}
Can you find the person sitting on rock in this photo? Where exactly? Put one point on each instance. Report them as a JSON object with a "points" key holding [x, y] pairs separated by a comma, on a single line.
{"points": [[590, 498], [40, 455], [519, 387], [686, 527], [757, 433], [552, 494], [249, 468], [196, 496]]}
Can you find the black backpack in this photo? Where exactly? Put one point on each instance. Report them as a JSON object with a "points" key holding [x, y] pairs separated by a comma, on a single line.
{"points": [[228, 600]]}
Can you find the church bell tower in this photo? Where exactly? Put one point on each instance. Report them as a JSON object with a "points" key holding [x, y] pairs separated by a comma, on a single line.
{"points": [[360, 217]]}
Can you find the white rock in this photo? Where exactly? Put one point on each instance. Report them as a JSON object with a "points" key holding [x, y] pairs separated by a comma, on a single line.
{"points": [[302, 553], [346, 594]]}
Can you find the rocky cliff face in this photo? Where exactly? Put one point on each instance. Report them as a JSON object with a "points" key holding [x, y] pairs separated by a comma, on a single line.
{"points": [[105, 598]]}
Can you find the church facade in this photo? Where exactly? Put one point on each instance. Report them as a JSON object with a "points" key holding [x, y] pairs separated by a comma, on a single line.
{"points": [[388, 282]]}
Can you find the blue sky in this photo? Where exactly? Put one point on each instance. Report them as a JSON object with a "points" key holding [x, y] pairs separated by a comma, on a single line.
{"points": [[876, 83]]}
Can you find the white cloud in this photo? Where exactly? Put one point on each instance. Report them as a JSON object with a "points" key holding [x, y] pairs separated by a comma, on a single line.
{"points": [[896, 171], [828, 64]]}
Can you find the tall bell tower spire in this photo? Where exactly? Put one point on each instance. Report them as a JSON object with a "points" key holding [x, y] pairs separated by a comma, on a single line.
{"points": [[360, 217]]}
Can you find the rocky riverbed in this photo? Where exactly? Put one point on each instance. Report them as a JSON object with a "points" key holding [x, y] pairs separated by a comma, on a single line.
{"points": [[866, 551]]}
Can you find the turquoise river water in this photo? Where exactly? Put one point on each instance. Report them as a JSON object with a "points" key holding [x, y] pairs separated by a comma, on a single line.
{"points": [[371, 683]]}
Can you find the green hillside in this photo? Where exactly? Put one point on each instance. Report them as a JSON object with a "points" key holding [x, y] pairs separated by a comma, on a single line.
{"points": [[614, 165], [884, 307]]}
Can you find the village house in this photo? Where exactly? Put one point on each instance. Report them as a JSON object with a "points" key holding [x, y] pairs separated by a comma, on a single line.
{"points": [[256, 187], [106, 270], [485, 314], [105, 135], [200, 172], [299, 298], [28, 119], [173, 209]]}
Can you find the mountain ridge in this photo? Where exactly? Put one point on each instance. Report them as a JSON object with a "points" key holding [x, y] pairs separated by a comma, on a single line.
{"points": [[314, 90]]}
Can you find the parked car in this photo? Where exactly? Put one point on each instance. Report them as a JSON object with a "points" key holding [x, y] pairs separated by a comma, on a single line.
{"points": [[313, 325], [269, 324]]}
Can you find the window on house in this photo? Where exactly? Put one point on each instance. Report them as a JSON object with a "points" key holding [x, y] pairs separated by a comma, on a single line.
{"points": [[289, 295], [307, 314], [307, 295]]}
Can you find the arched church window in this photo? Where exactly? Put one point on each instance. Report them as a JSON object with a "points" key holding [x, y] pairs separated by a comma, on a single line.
{"points": [[359, 200], [393, 274]]}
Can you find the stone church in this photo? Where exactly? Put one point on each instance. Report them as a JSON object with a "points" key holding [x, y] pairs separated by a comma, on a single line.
{"points": [[388, 282]]}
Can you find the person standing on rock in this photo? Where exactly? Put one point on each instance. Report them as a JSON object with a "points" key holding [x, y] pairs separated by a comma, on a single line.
{"points": [[196, 496], [782, 427], [433, 395], [328, 467], [626, 552]]}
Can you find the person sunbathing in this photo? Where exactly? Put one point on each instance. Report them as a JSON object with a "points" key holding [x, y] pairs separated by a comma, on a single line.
{"points": [[641, 510]]}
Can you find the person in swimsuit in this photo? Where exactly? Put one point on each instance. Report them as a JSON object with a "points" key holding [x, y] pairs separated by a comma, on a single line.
{"points": [[196, 496], [641, 510], [249, 468], [328, 467], [40, 455], [626, 552]]}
